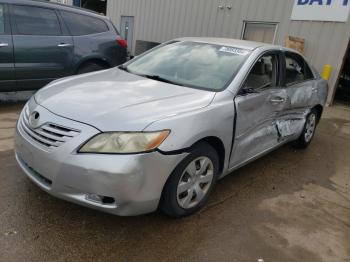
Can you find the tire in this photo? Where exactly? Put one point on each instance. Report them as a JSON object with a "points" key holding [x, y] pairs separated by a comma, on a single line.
{"points": [[308, 131], [90, 67], [177, 200]]}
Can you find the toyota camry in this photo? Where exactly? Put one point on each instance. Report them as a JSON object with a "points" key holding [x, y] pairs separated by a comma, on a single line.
{"points": [[158, 131]]}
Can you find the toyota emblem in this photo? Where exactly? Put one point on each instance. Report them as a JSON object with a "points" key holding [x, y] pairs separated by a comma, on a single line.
{"points": [[34, 119]]}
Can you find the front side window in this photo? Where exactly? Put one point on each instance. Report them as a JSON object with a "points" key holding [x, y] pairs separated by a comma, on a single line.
{"points": [[198, 65], [83, 24], [263, 73], [32, 20], [2, 19], [296, 69]]}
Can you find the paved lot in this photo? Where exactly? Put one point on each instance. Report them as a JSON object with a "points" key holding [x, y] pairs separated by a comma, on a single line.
{"points": [[288, 206]]}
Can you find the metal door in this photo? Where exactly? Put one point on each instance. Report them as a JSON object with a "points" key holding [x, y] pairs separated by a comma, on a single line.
{"points": [[40, 56], [127, 30], [257, 115], [301, 89], [7, 67], [256, 129]]}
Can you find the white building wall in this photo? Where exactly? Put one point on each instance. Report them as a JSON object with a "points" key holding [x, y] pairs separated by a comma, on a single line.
{"points": [[162, 20]]}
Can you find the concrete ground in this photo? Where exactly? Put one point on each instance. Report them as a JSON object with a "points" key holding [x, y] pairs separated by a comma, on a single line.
{"points": [[290, 205]]}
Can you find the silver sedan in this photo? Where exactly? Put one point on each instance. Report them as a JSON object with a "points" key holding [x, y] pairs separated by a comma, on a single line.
{"points": [[160, 130]]}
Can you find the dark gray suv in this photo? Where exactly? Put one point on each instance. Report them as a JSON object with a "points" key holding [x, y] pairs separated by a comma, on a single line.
{"points": [[41, 41]]}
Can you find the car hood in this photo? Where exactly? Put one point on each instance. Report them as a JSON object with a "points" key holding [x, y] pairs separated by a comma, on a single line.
{"points": [[114, 100]]}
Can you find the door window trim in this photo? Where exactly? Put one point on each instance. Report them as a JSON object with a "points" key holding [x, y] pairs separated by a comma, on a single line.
{"points": [[64, 26], [14, 22], [279, 71], [283, 75]]}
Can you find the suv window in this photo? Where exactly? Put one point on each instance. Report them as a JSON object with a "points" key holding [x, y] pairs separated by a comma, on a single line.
{"points": [[83, 24], [2, 19], [296, 69], [264, 73], [32, 20]]}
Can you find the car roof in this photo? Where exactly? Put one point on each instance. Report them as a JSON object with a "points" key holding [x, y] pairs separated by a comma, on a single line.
{"points": [[244, 44], [250, 45], [42, 3]]}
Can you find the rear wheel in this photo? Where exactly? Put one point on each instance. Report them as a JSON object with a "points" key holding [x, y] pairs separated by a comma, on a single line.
{"points": [[309, 130], [90, 67], [189, 186]]}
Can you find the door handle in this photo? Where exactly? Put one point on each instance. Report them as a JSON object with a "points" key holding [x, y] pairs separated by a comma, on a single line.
{"points": [[64, 45], [4, 44], [277, 100], [314, 89]]}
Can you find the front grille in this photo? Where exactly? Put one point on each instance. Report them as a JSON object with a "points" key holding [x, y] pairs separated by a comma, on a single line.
{"points": [[49, 134]]}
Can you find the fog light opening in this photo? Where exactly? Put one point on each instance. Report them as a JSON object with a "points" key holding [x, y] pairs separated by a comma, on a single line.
{"points": [[105, 200], [108, 200]]}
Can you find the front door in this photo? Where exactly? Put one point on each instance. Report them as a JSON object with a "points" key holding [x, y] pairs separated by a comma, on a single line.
{"points": [[127, 30], [258, 107], [42, 51], [7, 67]]}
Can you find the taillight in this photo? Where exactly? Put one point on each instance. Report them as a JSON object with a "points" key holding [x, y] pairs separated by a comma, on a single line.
{"points": [[122, 42]]}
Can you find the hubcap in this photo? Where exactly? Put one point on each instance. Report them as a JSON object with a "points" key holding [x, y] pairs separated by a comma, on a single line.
{"points": [[195, 182], [310, 127]]}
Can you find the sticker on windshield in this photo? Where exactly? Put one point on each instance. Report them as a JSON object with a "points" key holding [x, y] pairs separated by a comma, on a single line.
{"points": [[232, 50]]}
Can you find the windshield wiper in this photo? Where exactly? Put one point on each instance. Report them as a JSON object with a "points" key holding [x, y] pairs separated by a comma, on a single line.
{"points": [[153, 77], [159, 78]]}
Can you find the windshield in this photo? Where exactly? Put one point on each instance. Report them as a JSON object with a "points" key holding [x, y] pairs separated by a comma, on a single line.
{"points": [[197, 65]]}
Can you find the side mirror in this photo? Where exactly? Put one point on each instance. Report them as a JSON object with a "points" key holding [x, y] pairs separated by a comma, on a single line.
{"points": [[247, 90]]}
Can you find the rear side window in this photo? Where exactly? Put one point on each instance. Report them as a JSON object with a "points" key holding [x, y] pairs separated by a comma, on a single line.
{"points": [[32, 20], [83, 24], [296, 69], [2, 19]]}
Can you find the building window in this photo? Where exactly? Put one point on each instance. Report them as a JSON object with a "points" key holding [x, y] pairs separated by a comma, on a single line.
{"points": [[259, 31]]}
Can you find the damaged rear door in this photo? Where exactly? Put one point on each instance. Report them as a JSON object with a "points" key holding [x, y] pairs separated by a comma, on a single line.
{"points": [[301, 88], [260, 103]]}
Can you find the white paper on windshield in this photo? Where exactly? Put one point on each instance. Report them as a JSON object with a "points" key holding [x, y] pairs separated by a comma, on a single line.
{"points": [[233, 50]]}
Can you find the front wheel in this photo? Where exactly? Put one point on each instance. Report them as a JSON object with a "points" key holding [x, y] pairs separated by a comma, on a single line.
{"points": [[309, 130], [190, 184]]}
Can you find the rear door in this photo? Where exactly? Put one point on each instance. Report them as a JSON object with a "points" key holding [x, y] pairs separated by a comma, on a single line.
{"points": [[7, 68], [259, 105], [301, 89], [42, 49]]}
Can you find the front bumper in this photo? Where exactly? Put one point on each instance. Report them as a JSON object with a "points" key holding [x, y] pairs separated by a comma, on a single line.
{"points": [[135, 182]]}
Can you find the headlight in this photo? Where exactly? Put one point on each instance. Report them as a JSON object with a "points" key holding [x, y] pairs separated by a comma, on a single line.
{"points": [[124, 142]]}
